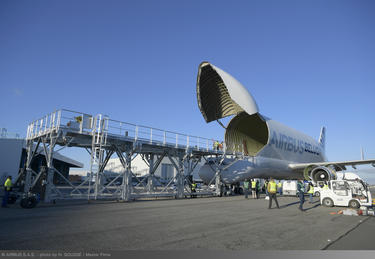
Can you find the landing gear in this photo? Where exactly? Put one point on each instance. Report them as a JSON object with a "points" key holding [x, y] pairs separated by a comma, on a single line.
{"points": [[29, 201]]}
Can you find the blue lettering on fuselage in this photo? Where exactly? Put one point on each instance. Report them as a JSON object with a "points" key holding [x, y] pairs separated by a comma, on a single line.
{"points": [[291, 144]]}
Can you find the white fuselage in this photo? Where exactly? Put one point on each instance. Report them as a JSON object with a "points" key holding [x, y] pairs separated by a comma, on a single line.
{"points": [[284, 146]]}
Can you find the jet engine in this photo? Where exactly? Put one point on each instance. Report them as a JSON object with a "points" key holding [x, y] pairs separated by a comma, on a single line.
{"points": [[322, 173]]}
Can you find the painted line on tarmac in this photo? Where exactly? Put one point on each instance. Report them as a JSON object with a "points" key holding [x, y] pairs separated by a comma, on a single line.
{"points": [[345, 234]]}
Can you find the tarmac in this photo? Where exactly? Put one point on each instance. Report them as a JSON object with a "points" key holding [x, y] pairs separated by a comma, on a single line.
{"points": [[213, 223]]}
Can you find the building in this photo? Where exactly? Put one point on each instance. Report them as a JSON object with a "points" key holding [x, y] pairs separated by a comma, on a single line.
{"points": [[13, 157]]}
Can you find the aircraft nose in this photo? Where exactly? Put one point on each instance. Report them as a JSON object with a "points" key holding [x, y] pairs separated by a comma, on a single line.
{"points": [[206, 173]]}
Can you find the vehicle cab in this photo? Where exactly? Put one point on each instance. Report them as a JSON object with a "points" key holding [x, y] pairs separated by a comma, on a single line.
{"points": [[347, 193]]}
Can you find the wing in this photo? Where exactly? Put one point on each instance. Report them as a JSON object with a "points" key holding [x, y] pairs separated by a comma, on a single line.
{"points": [[338, 165]]}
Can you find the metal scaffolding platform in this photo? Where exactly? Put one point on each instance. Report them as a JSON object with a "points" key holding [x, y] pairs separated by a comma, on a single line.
{"points": [[103, 137]]}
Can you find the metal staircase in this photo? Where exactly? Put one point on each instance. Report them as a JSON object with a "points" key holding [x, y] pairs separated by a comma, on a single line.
{"points": [[99, 141]]}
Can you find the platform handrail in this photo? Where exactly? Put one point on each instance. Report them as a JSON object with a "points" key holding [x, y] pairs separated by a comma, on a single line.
{"points": [[84, 123]]}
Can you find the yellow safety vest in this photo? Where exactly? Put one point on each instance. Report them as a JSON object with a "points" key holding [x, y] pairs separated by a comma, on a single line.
{"points": [[193, 186], [273, 187], [253, 184], [325, 187], [311, 189], [279, 185], [8, 184]]}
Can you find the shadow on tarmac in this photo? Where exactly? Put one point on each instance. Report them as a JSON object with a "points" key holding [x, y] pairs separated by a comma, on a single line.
{"points": [[297, 202], [313, 207], [289, 204]]}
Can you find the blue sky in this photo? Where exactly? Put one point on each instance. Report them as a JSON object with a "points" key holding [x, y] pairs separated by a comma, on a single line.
{"points": [[307, 63]]}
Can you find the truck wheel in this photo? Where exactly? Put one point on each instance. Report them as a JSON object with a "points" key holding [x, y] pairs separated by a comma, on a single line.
{"points": [[354, 204], [327, 202], [317, 194]]}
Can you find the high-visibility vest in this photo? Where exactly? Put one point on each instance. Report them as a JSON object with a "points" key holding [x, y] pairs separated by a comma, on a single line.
{"points": [[246, 184], [193, 186], [272, 187], [279, 185], [325, 187], [253, 184], [8, 184], [311, 189], [301, 187]]}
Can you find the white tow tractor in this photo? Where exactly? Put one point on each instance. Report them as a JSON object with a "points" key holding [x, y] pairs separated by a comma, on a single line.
{"points": [[347, 193]]}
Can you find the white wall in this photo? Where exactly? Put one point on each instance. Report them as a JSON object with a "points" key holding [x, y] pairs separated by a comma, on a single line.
{"points": [[10, 157]]}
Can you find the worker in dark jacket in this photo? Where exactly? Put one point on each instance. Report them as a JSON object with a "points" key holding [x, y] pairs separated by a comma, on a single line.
{"points": [[257, 188], [301, 194], [246, 185]]}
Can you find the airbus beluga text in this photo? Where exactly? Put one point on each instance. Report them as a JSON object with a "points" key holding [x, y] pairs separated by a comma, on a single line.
{"points": [[271, 149]]}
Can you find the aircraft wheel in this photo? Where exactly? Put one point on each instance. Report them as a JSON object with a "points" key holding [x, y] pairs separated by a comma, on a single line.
{"points": [[354, 204], [327, 202], [28, 203]]}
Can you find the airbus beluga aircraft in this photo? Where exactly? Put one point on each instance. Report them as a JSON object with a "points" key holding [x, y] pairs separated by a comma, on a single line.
{"points": [[270, 148]]}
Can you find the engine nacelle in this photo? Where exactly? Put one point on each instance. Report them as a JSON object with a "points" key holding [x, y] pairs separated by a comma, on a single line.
{"points": [[322, 173]]}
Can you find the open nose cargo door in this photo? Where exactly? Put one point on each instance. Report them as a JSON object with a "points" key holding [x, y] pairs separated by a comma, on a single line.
{"points": [[220, 95]]}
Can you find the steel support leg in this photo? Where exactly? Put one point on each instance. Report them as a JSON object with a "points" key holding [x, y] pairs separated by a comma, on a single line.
{"points": [[218, 183], [99, 175], [50, 185], [150, 180], [127, 179], [28, 175], [180, 179], [50, 169]]}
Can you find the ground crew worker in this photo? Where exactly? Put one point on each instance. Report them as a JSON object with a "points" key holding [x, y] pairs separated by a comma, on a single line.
{"points": [[311, 192], [193, 189], [257, 188], [7, 189], [272, 189], [254, 189], [325, 186], [216, 145], [280, 187], [301, 194], [246, 188], [266, 187]]}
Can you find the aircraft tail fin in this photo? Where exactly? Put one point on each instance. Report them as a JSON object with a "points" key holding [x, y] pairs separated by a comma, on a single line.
{"points": [[322, 138]]}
